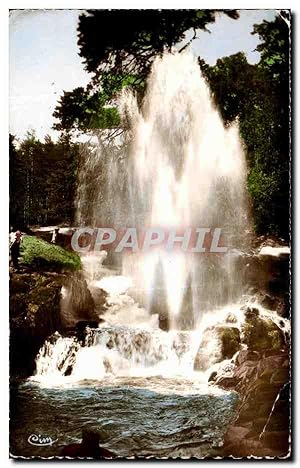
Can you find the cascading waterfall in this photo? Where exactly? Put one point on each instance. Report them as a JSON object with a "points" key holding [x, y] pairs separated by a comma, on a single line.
{"points": [[177, 167], [118, 351]]}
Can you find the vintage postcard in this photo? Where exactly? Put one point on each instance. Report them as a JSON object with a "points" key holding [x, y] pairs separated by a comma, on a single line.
{"points": [[150, 218]]}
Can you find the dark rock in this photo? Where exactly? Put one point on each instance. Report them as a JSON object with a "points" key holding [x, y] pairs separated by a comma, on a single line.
{"points": [[34, 315], [110, 344], [280, 376], [251, 313], [225, 341], [274, 352], [78, 304], [37, 310], [246, 355], [164, 321], [272, 362], [213, 376], [230, 341], [261, 334], [279, 421], [276, 439], [269, 302], [237, 433], [258, 424], [86, 323], [81, 327], [264, 405], [227, 382], [269, 274], [99, 297]]}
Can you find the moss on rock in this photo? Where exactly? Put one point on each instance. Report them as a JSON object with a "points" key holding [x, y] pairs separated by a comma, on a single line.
{"points": [[41, 255]]}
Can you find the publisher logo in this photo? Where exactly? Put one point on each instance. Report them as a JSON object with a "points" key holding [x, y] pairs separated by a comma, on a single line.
{"points": [[40, 440]]}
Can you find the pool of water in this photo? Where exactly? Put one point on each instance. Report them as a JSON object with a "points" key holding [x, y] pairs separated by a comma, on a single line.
{"points": [[136, 416]]}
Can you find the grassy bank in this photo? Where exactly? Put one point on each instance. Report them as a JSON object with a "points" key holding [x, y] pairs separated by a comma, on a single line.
{"points": [[39, 254]]}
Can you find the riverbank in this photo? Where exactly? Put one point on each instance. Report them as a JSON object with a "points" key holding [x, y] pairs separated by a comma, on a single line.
{"points": [[35, 299]]}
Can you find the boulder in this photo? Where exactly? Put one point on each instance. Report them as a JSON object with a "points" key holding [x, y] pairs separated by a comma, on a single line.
{"points": [[218, 343], [77, 302], [260, 334], [263, 412], [268, 272]]}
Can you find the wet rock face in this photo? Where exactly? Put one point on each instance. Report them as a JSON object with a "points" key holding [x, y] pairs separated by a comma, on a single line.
{"points": [[218, 343], [267, 273], [34, 315], [77, 302], [260, 374], [261, 425], [261, 334]]}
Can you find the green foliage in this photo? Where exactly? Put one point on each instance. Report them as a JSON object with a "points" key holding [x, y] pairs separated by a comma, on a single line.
{"points": [[17, 182], [42, 180], [274, 48], [38, 253], [81, 110], [128, 40], [258, 95], [118, 47], [85, 109]]}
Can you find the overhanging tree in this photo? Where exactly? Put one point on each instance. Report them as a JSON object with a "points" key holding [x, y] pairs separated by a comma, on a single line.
{"points": [[118, 48]]}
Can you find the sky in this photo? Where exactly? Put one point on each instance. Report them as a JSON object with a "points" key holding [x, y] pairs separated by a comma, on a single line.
{"points": [[44, 59]]}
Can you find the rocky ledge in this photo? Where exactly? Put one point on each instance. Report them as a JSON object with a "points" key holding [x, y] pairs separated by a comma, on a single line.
{"points": [[254, 361], [261, 425], [36, 312], [266, 271]]}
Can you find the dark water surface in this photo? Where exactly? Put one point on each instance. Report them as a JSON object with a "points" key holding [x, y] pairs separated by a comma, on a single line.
{"points": [[134, 416]]}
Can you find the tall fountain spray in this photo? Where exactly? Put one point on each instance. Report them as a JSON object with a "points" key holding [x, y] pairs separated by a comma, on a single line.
{"points": [[178, 167]]}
